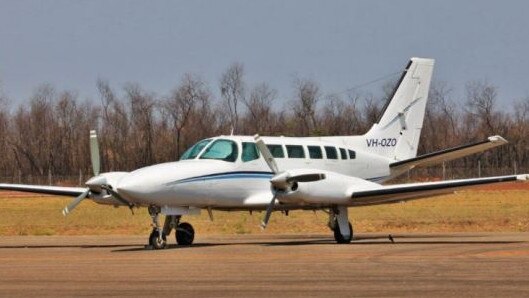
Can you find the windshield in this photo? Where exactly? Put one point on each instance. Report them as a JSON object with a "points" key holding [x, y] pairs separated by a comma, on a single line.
{"points": [[192, 152], [225, 150]]}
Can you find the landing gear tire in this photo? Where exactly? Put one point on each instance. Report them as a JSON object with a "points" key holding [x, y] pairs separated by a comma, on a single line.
{"points": [[340, 239], [185, 234], [157, 242]]}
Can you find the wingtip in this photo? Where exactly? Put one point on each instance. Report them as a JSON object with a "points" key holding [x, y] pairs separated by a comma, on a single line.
{"points": [[523, 177], [498, 139]]}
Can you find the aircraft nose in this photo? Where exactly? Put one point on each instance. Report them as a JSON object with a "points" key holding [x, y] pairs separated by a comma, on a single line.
{"points": [[132, 189]]}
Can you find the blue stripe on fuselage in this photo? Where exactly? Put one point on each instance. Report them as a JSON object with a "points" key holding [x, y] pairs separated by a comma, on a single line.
{"points": [[225, 175], [239, 175]]}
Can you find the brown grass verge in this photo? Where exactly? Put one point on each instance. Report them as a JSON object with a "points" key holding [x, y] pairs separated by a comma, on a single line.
{"points": [[469, 211]]}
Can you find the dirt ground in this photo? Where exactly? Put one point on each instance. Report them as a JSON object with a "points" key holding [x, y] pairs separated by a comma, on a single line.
{"points": [[420, 265]]}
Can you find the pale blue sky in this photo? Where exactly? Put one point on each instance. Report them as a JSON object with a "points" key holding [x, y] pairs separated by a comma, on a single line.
{"points": [[338, 43]]}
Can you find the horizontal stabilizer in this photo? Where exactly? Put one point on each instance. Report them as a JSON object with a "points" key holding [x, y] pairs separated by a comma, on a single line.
{"points": [[404, 192], [437, 157]]}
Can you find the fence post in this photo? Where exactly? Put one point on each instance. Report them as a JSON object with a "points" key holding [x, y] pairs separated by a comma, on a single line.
{"points": [[49, 176], [444, 171], [80, 177], [479, 168], [515, 169]]}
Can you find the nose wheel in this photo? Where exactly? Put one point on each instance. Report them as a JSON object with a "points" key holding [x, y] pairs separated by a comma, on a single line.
{"points": [[156, 240]]}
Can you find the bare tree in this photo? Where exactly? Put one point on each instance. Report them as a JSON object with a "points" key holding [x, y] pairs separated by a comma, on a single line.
{"points": [[142, 117], [305, 105], [232, 90], [481, 100], [180, 105], [259, 106]]}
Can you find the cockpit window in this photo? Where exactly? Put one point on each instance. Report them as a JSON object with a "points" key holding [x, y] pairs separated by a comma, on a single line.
{"points": [[192, 152], [225, 150], [249, 151]]}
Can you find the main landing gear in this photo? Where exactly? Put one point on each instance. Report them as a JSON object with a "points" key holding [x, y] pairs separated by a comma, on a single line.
{"points": [[184, 232], [339, 223]]}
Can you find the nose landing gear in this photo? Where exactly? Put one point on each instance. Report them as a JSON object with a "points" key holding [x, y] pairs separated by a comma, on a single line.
{"points": [[184, 232], [157, 239]]}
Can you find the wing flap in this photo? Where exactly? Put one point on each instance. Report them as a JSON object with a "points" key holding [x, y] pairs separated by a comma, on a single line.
{"points": [[437, 157], [404, 192], [50, 190]]}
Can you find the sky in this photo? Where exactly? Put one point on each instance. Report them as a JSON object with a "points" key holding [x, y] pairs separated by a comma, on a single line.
{"points": [[340, 44]]}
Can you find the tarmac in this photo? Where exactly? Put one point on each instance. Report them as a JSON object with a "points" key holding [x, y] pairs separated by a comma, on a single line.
{"points": [[425, 265]]}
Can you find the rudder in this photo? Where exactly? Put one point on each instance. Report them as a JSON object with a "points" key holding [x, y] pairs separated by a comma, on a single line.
{"points": [[396, 134]]}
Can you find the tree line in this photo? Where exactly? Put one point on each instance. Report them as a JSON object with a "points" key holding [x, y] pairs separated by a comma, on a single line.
{"points": [[48, 134]]}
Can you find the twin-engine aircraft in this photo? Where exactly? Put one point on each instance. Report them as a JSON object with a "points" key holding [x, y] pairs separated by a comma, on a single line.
{"points": [[237, 173]]}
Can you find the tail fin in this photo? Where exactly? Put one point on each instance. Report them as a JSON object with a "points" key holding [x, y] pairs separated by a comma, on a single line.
{"points": [[397, 133]]}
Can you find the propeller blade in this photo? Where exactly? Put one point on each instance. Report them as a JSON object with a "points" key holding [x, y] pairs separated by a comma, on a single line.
{"points": [[75, 202], [269, 210], [266, 154], [94, 152]]}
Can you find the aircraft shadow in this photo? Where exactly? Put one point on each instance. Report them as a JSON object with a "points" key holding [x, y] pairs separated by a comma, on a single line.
{"points": [[67, 246], [416, 239], [361, 240]]}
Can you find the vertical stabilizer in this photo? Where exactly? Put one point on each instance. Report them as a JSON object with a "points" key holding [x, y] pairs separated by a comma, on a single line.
{"points": [[397, 133]]}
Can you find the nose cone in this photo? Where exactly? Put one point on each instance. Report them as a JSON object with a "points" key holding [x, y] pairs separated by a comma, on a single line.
{"points": [[147, 183], [156, 183]]}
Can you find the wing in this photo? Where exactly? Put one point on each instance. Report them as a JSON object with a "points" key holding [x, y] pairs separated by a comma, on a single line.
{"points": [[404, 192], [437, 157], [50, 190]]}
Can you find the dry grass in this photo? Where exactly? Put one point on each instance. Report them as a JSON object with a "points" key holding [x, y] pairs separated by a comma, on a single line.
{"points": [[469, 211]]}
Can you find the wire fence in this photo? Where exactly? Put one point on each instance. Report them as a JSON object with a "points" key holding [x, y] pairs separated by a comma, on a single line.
{"points": [[441, 172]]}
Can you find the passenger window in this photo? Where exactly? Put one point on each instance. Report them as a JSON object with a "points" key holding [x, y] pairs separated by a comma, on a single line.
{"points": [[295, 151], [343, 153], [352, 154], [249, 151], [276, 151], [331, 152], [315, 152]]}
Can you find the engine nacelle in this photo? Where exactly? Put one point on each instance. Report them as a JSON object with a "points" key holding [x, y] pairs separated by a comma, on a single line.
{"points": [[335, 189], [100, 195]]}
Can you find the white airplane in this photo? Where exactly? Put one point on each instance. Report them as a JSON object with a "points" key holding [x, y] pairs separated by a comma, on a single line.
{"points": [[236, 173]]}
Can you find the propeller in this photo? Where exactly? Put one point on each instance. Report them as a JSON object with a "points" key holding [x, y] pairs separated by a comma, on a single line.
{"points": [[74, 203], [94, 153], [281, 180], [273, 166], [118, 197], [96, 165], [266, 154]]}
